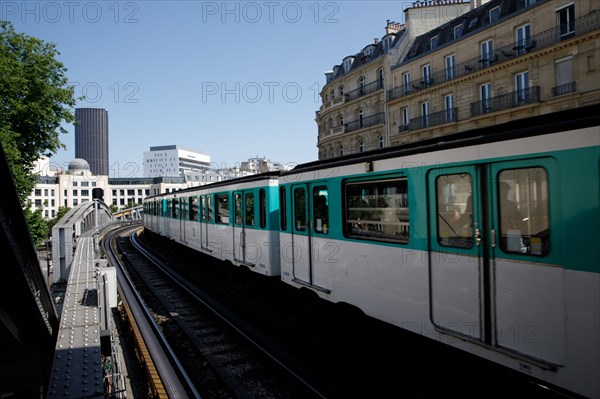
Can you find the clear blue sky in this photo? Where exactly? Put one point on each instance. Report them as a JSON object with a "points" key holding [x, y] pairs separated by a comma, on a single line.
{"points": [[232, 79]]}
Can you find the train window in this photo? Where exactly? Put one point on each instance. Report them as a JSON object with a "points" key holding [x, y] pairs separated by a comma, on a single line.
{"points": [[455, 210], [209, 208], [300, 208], [377, 210], [523, 211], [262, 207], [222, 215], [203, 207], [238, 208], [169, 211], [194, 208], [282, 209], [184, 208], [320, 210], [175, 209], [249, 209]]}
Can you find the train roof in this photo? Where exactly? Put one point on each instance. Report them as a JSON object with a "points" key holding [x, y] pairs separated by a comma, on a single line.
{"points": [[526, 127], [245, 179]]}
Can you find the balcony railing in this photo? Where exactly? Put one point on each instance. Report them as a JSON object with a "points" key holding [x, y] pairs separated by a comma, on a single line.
{"points": [[544, 39], [361, 123], [506, 101], [364, 90], [564, 89], [435, 119]]}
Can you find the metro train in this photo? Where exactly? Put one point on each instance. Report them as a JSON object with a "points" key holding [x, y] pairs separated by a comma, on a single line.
{"points": [[487, 241]]}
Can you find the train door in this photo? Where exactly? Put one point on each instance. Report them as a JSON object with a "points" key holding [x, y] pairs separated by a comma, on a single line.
{"points": [[310, 217], [243, 218], [492, 276], [206, 218], [183, 217], [167, 217]]}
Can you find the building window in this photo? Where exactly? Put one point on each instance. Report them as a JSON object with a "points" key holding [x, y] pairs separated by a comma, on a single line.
{"points": [[485, 92], [566, 21], [381, 142], [331, 95], [425, 113], [426, 74], [341, 90], [522, 86], [494, 14], [341, 120], [361, 85], [405, 118], [84, 184], [458, 31], [74, 193], [406, 82], [52, 192], [433, 41], [450, 67], [381, 82], [38, 203], [523, 39], [361, 146], [75, 202], [361, 120], [74, 184], [341, 150], [487, 52], [85, 193], [347, 65], [564, 76], [38, 192], [449, 101]]}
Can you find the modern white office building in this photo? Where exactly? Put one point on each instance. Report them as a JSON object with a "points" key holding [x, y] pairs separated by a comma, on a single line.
{"points": [[174, 160]]}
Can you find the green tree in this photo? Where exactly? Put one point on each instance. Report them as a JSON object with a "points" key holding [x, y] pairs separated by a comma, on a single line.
{"points": [[34, 101], [62, 211], [38, 226]]}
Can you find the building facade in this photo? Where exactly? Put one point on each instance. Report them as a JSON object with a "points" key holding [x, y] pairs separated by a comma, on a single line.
{"points": [[174, 160], [353, 117], [504, 60], [91, 138]]}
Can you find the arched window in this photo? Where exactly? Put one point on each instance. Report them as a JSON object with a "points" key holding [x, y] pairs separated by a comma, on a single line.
{"points": [[361, 121], [341, 150], [381, 78], [331, 95], [341, 120], [380, 141], [361, 146], [341, 90], [361, 84]]}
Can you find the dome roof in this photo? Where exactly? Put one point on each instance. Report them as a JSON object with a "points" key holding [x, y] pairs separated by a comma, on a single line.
{"points": [[79, 164]]}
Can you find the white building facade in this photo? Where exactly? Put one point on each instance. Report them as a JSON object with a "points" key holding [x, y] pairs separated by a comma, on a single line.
{"points": [[174, 160]]}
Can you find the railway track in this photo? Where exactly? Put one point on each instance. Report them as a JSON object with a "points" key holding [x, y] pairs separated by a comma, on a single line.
{"points": [[219, 359]]}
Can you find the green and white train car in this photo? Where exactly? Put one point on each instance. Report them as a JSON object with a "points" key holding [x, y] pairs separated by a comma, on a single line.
{"points": [[236, 220], [488, 242]]}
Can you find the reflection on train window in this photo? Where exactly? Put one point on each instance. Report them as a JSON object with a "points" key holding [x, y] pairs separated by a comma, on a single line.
{"points": [[184, 208], [238, 208], [320, 210], [455, 210], [249, 209], [193, 208], [300, 208], [263, 208], [222, 215], [282, 209], [209, 208], [377, 210], [523, 211], [175, 208], [203, 207]]}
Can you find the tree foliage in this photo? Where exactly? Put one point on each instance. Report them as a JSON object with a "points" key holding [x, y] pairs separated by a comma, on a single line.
{"points": [[38, 226], [34, 101]]}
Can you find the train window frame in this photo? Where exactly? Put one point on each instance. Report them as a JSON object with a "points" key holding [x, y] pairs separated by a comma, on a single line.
{"points": [[237, 208], [175, 208], [282, 209], [193, 200], [220, 199], [321, 224], [249, 210], [510, 239], [262, 199], [465, 241], [298, 225], [352, 228]]}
